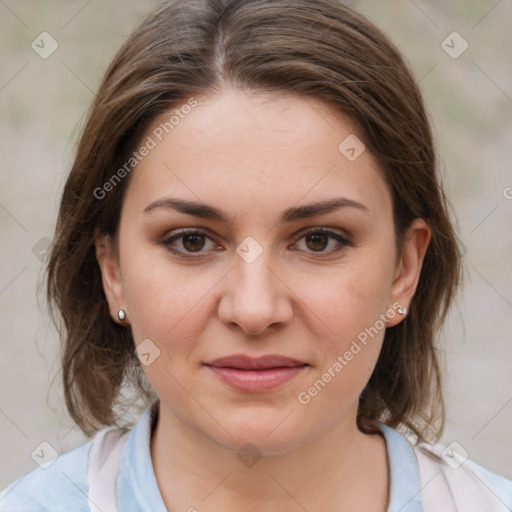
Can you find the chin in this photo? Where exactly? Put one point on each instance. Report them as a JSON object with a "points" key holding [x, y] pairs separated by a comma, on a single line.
{"points": [[268, 430]]}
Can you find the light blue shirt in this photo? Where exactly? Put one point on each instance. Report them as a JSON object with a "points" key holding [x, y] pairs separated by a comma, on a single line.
{"points": [[63, 485]]}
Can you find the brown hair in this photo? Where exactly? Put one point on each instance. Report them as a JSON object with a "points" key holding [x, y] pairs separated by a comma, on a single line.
{"points": [[323, 50]]}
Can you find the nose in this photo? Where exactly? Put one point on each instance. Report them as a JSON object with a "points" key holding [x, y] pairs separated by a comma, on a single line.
{"points": [[256, 298]]}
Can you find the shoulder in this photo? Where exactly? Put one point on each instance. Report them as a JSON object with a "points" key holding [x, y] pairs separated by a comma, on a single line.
{"points": [[59, 486], [434, 477], [447, 471]]}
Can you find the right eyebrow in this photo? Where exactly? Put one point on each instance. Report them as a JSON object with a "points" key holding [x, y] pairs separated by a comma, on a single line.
{"points": [[291, 214]]}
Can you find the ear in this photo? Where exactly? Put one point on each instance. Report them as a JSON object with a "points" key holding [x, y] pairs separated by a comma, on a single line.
{"points": [[110, 275], [409, 267]]}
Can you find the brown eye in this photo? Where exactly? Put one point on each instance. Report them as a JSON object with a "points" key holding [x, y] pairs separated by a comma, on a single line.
{"points": [[317, 242], [193, 243], [187, 242], [323, 242]]}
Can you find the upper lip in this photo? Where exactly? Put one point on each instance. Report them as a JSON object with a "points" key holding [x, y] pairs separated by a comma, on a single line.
{"points": [[244, 362]]}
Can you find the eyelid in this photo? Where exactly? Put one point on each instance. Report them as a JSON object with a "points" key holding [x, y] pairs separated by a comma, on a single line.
{"points": [[341, 237], [168, 238], [344, 239], [326, 230]]}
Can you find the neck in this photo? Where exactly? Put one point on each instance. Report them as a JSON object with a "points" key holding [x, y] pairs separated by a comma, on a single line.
{"points": [[342, 466]]}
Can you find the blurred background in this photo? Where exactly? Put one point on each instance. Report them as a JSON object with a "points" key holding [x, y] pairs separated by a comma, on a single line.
{"points": [[460, 53]]}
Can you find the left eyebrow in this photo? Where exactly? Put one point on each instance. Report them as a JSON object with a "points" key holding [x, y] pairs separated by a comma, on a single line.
{"points": [[292, 214]]}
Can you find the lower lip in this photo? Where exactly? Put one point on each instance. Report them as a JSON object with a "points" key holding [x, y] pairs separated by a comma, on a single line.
{"points": [[256, 380]]}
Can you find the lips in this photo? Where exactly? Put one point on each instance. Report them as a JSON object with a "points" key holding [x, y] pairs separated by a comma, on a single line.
{"points": [[242, 362], [258, 374]]}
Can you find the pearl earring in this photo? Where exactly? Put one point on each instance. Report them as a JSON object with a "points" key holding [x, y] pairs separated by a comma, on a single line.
{"points": [[121, 314], [402, 310]]}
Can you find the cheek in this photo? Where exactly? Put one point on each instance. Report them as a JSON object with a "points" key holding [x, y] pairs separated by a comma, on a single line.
{"points": [[348, 355], [352, 306], [165, 301], [351, 298]]}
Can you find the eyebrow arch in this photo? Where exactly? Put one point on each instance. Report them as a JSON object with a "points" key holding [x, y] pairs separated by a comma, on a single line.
{"points": [[205, 211]]}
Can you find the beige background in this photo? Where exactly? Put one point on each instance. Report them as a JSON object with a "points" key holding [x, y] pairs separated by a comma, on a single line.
{"points": [[43, 102]]}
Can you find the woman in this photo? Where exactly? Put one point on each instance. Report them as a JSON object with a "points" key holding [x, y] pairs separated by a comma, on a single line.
{"points": [[253, 236]]}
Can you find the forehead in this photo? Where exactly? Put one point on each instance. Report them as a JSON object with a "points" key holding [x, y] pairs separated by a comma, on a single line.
{"points": [[257, 150]]}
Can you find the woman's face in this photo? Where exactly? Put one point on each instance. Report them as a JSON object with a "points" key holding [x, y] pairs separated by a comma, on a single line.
{"points": [[279, 274]]}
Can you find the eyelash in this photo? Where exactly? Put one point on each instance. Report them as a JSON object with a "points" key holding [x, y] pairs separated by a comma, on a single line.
{"points": [[344, 241]]}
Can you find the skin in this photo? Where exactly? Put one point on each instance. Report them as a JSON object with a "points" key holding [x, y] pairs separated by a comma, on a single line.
{"points": [[253, 156]]}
